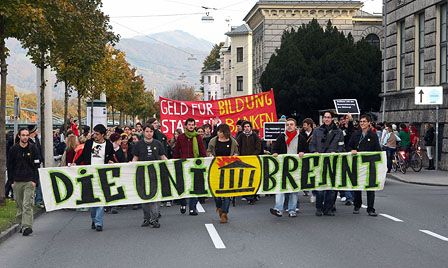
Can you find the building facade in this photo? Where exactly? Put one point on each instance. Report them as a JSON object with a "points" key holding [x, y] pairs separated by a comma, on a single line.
{"points": [[225, 60], [416, 55], [240, 62], [212, 85], [269, 18]]}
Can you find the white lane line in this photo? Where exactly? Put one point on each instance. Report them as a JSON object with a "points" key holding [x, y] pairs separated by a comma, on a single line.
{"points": [[435, 235], [214, 236], [363, 206], [390, 217], [200, 208]]}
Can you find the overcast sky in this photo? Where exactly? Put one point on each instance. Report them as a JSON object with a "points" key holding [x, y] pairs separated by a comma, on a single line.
{"points": [[167, 15]]}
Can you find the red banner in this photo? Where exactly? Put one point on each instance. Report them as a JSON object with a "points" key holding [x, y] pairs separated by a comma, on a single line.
{"points": [[258, 108]]}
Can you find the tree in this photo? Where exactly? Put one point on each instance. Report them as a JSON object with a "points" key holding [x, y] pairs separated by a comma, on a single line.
{"points": [[313, 66], [211, 62], [181, 93]]}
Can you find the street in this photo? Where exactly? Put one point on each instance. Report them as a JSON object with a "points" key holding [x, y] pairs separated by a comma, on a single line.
{"points": [[252, 238]]}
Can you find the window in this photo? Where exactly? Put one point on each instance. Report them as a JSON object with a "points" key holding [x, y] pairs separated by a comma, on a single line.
{"points": [[239, 83], [402, 53], [373, 39], [239, 54], [209, 95], [443, 44], [230, 64], [421, 49], [209, 79]]}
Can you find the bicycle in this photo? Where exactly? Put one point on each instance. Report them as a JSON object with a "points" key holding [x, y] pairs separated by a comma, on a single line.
{"points": [[398, 161], [416, 160]]}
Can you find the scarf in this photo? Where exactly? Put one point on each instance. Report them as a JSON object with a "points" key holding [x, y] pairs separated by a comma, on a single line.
{"points": [[247, 133], [192, 135], [290, 136]]}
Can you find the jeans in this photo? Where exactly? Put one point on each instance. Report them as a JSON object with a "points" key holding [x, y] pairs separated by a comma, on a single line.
{"points": [[370, 200], [325, 200], [191, 203], [292, 202], [38, 198], [224, 203], [24, 197], [389, 154], [348, 195], [97, 215], [151, 211]]}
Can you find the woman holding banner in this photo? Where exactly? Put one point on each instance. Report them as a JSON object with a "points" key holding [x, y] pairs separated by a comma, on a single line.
{"points": [[222, 145]]}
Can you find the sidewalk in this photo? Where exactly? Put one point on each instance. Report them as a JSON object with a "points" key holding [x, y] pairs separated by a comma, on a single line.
{"points": [[424, 177]]}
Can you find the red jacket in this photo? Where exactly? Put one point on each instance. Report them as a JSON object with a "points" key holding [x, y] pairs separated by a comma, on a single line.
{"points": [[184, 147]]}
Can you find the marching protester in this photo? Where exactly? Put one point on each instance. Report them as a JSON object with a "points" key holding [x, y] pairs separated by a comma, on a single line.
{"points": [[126, 146], [307, 133], [149, 149], [364, 140], [172, 142], [157, 134], [326, 139], [23, 164], [189, 145], [290, 142], [97, 151], [222, 145], [430, 144], [207, 134], [34, 139], [249, 144]]}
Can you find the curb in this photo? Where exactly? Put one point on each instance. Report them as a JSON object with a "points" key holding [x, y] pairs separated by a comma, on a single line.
{"points": [[391, 176], [15, 228]]}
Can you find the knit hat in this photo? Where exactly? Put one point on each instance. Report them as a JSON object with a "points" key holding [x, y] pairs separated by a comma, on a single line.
{"points": [[282, 118], [32, 128], [114, 137]]}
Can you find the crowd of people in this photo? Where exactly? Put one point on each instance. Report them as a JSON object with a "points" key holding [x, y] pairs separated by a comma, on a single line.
{"points": [[147, 143]]}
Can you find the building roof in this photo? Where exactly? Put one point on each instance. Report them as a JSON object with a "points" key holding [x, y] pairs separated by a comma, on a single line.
{"points": [[362, 13], [211, 72], [240, 30], [305, 1]]}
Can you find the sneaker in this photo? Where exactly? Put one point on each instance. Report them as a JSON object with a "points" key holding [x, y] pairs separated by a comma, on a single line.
{"points": [[292, 214], [297, 210], [27, 231], [154, 224], [305, 193], [275, 212], [312, 199], [114, 210], [193, 213], [146, 223], [329, 213], [319, 213], [168, 203], [93, 227], [134, 207], [183, 209], [243, 199], [251, 202], [349, 203], [343, 199], [162, 204], [372, 213], [99, 228], [356, 211]]}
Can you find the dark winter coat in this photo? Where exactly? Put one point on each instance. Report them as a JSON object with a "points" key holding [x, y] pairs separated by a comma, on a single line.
{"points": [[430, 137], [249, 145], [23, 163], [86, 155], [327, 141], [369, 144]]}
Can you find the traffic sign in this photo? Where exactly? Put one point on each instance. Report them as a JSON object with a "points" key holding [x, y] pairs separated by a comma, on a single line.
{"points": [[429, 95]]}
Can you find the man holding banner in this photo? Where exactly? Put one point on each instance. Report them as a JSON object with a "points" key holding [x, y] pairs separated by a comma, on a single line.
{"points": [[97, 151], [149, 149], [364, 140], [189, 145], [326, 139]]}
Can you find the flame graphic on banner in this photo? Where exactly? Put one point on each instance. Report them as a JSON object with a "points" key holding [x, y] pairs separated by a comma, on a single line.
{"points": [[224, 160]]}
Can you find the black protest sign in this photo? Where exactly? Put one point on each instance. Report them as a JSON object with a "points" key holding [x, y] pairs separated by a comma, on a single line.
{"points": [[345, 106], [271, 130]]}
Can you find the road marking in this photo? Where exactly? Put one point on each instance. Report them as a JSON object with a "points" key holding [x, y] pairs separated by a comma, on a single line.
{"points": [[214, 236], [200, 208], [435, 235], [363, 206], [390, 217]]}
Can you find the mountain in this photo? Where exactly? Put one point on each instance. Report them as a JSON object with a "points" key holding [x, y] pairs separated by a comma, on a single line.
{"points": [[178, 59], [179, 39]]}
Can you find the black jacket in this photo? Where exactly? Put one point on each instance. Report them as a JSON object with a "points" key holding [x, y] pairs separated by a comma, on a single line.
{"points": [[280, 145], [327, 141], [307, 139], [429, 137], [86, 155], [23, 163], [369, 144]]}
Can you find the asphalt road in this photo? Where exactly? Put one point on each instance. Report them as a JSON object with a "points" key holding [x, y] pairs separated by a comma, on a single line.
{"points": [[252, 238]]}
